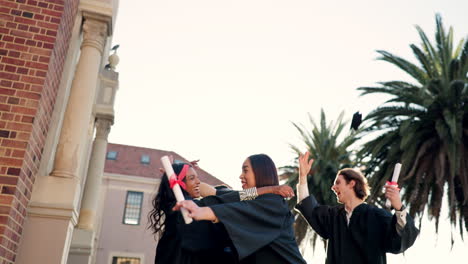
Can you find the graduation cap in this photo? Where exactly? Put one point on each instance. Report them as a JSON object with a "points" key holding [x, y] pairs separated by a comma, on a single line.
{"points": [[357, 119]]}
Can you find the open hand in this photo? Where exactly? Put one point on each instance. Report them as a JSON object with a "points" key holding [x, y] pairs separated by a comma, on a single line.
{"points": [[304, 166]]}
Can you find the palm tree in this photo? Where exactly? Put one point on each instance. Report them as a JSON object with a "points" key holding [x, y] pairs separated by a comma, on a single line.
{"points": [[425, 127], [331, 151]]}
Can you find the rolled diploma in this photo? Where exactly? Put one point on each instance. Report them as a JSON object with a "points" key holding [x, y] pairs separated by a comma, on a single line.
{"points": [[176, 189], [396, 173]]}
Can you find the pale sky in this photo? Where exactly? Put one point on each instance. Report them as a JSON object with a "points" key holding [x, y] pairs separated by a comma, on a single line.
{"points": [[221, 80]]}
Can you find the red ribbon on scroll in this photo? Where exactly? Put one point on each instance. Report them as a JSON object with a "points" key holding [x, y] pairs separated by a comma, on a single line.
{"points": [[178, 179]]}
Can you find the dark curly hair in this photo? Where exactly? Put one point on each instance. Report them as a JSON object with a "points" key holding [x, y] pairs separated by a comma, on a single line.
{"points": [[163, 202]]}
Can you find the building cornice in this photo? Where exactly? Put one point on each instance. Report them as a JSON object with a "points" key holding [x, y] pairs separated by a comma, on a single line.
{"points": [[130, 178]]}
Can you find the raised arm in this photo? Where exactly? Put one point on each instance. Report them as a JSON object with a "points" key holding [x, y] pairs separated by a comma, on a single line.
{"points": [[392, 193], [318, 216], [304, 167]]}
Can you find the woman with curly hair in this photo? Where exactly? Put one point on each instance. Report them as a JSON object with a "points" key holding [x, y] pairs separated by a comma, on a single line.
{"points": [[201, 241]]}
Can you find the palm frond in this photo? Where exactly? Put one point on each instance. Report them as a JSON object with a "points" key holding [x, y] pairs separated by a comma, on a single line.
{"points": [[411, 69], [425, 126]]}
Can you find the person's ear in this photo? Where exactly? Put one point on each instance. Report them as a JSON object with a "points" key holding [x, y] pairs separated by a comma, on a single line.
{"points": [[352, 183]]}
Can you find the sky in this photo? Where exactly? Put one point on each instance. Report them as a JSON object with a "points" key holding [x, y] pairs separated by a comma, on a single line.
{"points": [[221, 80]]}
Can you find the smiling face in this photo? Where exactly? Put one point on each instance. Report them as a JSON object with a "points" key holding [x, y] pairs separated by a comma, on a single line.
{"points": [[192, 183], [247, 176], [343, 190]]}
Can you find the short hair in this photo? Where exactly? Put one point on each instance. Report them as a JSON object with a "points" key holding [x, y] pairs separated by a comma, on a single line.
{"points": [[361, 188], [264, 170]]}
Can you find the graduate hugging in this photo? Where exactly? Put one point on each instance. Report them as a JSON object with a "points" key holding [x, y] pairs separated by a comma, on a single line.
{"points": [[261, 230], [249, 226], [255, 225]]}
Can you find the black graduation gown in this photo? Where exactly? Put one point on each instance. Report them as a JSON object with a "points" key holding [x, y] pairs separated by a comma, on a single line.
{"points": [[200, 242], [261, 230], [370, 235]]}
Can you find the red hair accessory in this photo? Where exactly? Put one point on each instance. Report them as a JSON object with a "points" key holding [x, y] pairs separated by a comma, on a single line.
{"points": [[178, 179]]}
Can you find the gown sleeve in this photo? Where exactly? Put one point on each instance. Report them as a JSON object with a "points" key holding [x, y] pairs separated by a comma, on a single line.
{"points": [[202, 235], [397, 243], [318, 216], [227, 195], [220, 190], [253, 224]]}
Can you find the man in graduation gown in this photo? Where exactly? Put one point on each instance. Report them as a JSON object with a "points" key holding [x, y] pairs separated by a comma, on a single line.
{"points": [[356, 232]]}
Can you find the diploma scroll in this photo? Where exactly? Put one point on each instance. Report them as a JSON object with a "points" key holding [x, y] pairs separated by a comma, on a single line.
{"points": [[396, 174], [176, 188]]}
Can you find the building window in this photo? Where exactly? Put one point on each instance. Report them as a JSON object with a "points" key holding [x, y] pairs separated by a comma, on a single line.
{"points": [[145, 159], [125, 260], [111, 155], [133, 208]]}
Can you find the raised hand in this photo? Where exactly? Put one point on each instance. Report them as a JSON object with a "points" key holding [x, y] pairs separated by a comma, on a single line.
{"points": [[392, 193], [194, 163], [304, 167]]}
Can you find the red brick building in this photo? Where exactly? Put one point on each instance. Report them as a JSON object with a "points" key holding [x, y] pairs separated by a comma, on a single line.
{"points": [[40, 42], [34, 40]]}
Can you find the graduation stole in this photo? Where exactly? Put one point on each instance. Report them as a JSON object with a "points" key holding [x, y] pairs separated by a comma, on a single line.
{"points": [[178, 179]]}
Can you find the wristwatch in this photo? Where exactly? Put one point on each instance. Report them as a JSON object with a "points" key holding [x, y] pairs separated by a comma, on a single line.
{"points": [[403, 207]]}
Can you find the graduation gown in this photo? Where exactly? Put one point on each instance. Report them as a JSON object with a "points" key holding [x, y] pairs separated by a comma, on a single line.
{"points": [[370, 235], [200, 242], [261, 230]]}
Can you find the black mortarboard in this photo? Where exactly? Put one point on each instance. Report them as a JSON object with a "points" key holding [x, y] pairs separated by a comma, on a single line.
{"points": [[357, 119]]}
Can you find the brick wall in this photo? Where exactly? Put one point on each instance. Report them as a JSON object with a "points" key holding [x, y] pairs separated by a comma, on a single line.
{"points": [[34, 40]]}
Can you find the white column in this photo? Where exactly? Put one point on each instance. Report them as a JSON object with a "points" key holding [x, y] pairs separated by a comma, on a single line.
{"points": [[90, 201], [83, 241], [52, 212], [80, 104]]}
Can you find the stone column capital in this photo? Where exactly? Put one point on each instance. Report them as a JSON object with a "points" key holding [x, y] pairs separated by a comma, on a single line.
{"points": [[94, 33], [103, 126]]}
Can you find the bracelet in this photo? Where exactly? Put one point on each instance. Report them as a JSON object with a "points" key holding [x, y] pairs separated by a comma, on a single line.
{"points": [[248, 194], [403, 207]]}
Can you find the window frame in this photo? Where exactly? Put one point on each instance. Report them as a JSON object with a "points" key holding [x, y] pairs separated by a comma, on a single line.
{"points": [[125, 254], [128, 257], [112, 158], [140, 208], [144, 161]]}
